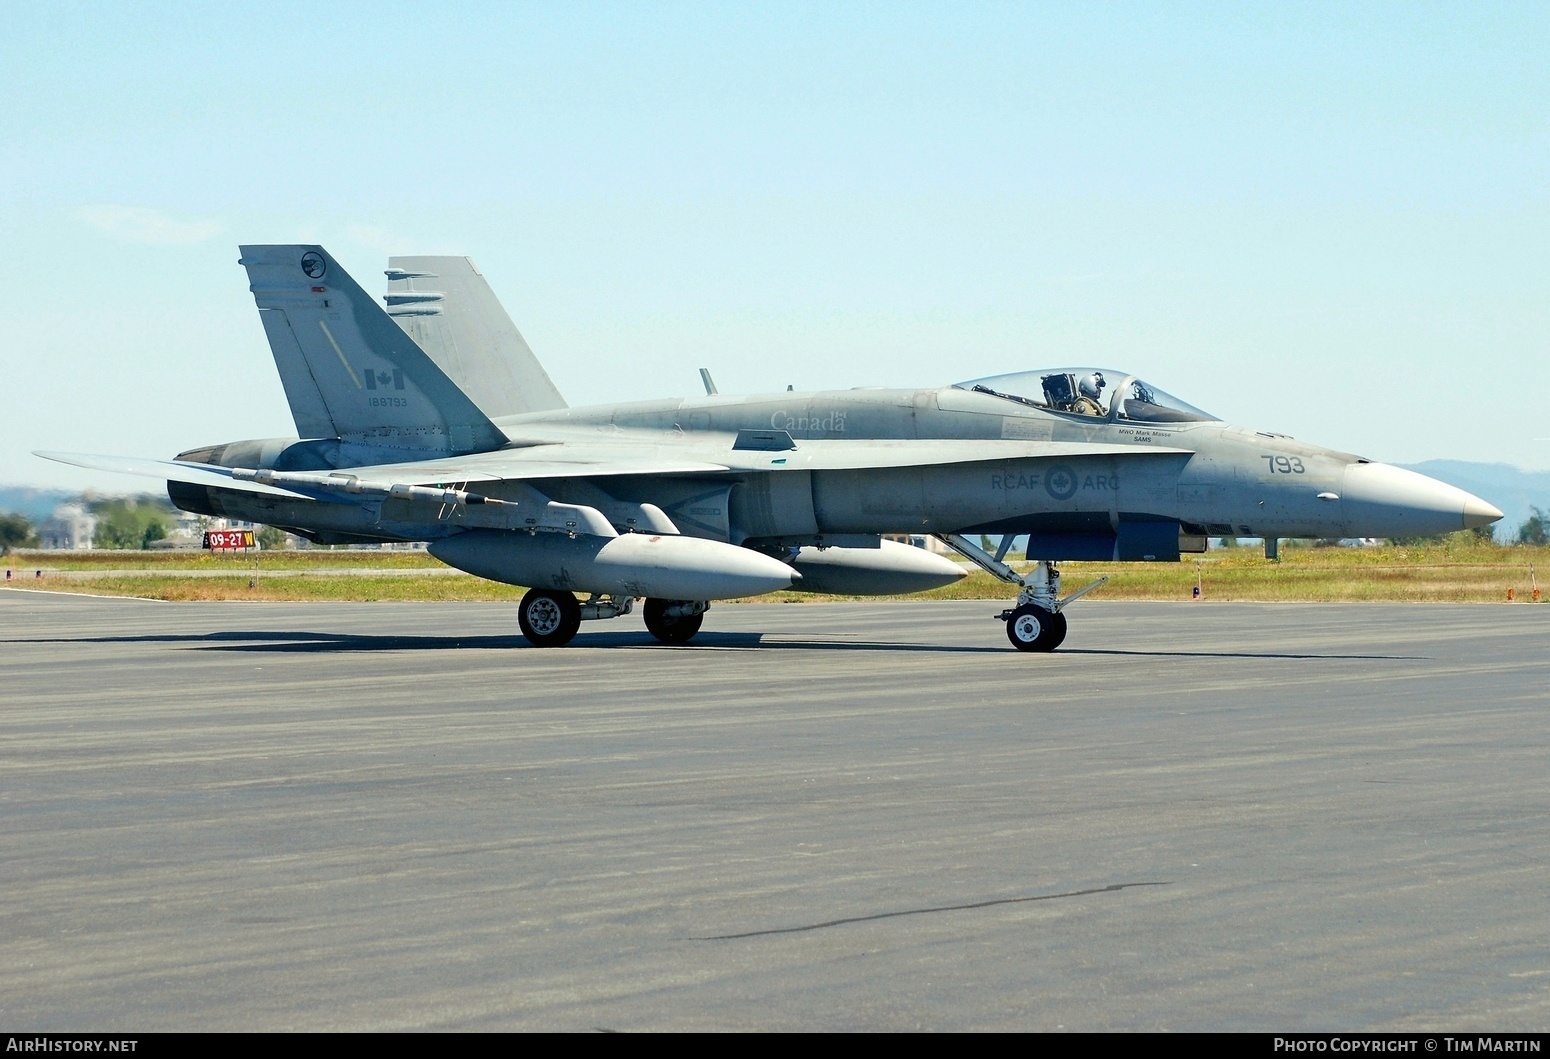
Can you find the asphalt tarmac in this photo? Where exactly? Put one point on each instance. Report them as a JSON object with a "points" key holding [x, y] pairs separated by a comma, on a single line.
{"points": [[817, 816]]}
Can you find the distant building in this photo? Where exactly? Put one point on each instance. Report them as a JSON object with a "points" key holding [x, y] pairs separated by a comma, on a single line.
{"points": [[926, 541], [187, 532], [72, 528]]}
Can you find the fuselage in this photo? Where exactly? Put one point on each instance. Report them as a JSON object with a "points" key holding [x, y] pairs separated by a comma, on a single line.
{"points": [[1185, 479]]}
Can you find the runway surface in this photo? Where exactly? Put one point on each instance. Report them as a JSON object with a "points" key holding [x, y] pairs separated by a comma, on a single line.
{"points": [[378, 816]]}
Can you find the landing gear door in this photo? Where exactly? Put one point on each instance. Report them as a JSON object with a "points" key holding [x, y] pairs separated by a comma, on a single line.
{"points": [[698, 509]]}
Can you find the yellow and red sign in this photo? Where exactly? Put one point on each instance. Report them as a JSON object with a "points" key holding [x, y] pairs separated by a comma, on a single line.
{"points": [[229, 540]]}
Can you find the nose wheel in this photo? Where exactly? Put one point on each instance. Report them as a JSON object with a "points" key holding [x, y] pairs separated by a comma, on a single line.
{"points": [[1032, 628], [549, 619], [1036, 623]]}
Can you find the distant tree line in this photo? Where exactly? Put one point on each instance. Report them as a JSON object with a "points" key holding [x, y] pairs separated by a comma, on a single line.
{"points": [[1479, 533], [136, 524], [15, 532], [131, 524], [1533, 530], [271, 538]]}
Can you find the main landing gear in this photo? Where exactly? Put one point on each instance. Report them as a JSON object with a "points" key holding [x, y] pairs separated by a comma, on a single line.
{"points": [[1037, 622], [550, 618], [674, 621]]}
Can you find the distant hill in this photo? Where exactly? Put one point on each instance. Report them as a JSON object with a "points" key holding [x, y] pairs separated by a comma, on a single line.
{"points": [[35, 504], [1511, 489], [39, 504]]}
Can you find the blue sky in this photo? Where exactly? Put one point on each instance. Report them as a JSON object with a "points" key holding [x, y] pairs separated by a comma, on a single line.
{"points": [[1330, 221]]}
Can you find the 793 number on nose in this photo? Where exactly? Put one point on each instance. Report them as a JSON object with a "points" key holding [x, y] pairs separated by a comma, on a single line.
{"points": [[1284, 464]]}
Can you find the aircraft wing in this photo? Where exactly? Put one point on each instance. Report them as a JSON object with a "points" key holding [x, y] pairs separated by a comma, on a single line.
{"points": [[549, 461], [648, 453], [597, 458], [652, 454]]}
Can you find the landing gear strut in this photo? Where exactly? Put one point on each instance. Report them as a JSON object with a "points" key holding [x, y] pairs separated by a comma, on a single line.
{"points": [[1036, 623], [674, 621]]}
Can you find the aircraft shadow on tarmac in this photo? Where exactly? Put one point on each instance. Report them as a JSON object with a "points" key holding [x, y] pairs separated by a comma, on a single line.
{"points": [[1241, 654], [316, 642], [970, 906], [277, 642]]}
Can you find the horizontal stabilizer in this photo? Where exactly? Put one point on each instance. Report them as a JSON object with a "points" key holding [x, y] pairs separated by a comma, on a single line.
{"points": [[304, 486], [529, 510], [170, 471]]}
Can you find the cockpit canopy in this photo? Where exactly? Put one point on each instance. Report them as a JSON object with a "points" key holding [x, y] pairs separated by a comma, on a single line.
{"points": [[1091, 392]]}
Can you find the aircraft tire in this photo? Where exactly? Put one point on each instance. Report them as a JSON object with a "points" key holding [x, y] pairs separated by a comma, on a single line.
{"points": [[670, 630], [1032, 628], [549, 619], [1057, 632]]}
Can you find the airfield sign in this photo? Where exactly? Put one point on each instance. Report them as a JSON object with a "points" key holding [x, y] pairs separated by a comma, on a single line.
{"points": [[229, 540]]}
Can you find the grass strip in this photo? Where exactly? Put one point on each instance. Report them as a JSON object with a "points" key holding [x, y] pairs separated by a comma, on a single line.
{"points": [[1453, 571]]}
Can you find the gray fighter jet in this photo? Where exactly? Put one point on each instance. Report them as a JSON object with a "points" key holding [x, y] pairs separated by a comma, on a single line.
{"points": [[431, 420]]}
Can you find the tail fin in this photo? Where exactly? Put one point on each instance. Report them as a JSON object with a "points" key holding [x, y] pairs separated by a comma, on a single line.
{"points": [[445, 305], [348, 370]]}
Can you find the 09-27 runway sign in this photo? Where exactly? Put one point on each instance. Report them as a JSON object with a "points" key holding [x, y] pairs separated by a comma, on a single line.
{"points": [[229, 540]]}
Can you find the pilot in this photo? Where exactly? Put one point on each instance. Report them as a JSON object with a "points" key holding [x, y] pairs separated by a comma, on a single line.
{"points": [[1089, 390]]}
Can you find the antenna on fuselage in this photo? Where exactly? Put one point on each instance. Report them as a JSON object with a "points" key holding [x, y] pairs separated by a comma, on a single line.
{"points": [[710, 384]]}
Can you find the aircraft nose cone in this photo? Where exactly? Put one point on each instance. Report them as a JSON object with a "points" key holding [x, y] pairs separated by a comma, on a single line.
{"points": [[1385, 501]]}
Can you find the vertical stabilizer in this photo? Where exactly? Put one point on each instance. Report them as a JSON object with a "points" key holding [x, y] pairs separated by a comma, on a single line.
{"points": [[349, 371], [446, 306]]}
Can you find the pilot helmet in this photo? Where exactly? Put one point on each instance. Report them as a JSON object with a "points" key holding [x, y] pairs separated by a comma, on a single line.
{"points": [[1092, 385]]}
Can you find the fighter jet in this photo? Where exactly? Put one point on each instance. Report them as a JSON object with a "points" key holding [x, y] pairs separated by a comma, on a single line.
{"points": [[429, 419]]}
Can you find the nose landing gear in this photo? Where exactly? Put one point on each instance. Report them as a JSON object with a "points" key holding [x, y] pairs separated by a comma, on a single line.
{"points": [[1036, 623], [1032, 628]]}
